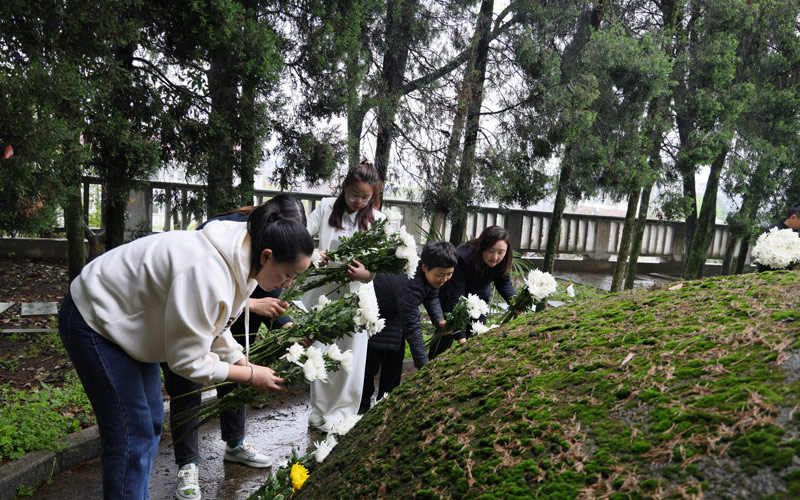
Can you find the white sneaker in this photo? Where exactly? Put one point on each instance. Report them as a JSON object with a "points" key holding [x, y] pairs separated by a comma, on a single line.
{"points": [[188, 486], [315, 420], [247, 454]]}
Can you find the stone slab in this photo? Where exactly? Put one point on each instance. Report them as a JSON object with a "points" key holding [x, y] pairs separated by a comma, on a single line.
{"points": [[32, 331], [4, 306], [39, 309]]}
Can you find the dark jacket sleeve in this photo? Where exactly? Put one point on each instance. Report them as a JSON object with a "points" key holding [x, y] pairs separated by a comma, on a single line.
{"points": [[433, 306], [280, 321], [457, 286], [504, 286], [408, 304]]}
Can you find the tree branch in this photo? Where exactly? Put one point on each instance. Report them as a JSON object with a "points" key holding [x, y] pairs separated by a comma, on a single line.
{"points": [[178, 88]]}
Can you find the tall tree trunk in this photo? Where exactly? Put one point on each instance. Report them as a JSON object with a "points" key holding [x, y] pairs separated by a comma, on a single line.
{"points": [[625, 243], [399, 19], [744, 247], [705, 222], [474, 77], [250, 151], [355, 109], [554, 231], [636, 245], [727, 261], [570, 63], [685, 122], [73, 223], [117, 170], [355, 125], [445, 182], [222, 87]]}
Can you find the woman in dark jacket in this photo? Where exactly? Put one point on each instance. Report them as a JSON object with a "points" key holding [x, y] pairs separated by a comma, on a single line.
{"points": [[481, 262]]}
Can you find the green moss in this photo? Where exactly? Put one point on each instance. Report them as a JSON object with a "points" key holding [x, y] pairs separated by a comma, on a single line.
{"points": [[515, 413]]}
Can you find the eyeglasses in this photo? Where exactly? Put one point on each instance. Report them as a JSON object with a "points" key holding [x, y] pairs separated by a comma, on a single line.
{"points": [[354, 198]]}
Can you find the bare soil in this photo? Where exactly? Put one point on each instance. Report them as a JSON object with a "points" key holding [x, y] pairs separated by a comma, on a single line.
{"points": [[26, 359]]}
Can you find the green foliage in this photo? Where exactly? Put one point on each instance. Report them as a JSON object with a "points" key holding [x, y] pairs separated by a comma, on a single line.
{"points": [[37, 420]]}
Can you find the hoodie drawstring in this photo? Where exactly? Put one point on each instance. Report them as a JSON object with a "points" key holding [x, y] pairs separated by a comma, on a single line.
{"points": [[247, 332]]}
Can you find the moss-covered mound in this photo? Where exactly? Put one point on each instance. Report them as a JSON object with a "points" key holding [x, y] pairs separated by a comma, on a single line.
{"points": [[687, 391]]}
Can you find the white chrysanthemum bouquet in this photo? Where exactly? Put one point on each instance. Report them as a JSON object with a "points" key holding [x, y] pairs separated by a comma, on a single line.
{"points": [[381, 249], [467, 311], [777, 249], [536, 288], [280, 349]]}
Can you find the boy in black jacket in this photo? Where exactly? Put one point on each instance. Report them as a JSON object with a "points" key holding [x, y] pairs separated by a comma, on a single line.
{"points": [[398, 302]]}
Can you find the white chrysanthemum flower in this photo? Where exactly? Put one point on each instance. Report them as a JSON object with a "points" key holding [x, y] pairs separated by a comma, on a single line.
{"points": [[540, 284], [311, 371], [294, 353], [476, 307], [334, 352], [315, 356], [406, 237], [346, 363], [778, 248], [322, 301], [316, 258], [570, 290], [407, 251], [324, 448], [478, 328], [393, 220], [368, 316], [343, 427]]}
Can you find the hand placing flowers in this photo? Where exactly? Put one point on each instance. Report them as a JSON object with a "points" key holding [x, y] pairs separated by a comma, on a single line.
{"points": [[536, 288]]}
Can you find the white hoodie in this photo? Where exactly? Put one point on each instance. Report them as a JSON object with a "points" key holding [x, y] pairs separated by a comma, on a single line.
{"points": [[172, 297]]}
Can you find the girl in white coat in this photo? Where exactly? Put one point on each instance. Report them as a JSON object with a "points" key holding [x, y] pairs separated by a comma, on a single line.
{"points": [[354, 209]]}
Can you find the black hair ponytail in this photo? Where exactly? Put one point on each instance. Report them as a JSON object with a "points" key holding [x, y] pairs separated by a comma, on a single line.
{"points": [[286, 236]]}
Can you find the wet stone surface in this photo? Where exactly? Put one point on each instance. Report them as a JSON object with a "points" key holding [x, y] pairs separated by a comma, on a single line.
{"points": [[274, 430]]}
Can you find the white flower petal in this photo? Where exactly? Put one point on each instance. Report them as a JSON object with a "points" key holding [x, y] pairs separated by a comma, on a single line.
{"points": [[294, 353], [334, 352]]}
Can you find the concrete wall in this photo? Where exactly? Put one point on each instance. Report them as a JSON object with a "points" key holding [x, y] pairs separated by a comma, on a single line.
{"points": [[50, 248]]}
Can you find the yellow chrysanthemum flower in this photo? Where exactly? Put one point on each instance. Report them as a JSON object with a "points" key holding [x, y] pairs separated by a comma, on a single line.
{"points": [[299, 474]]}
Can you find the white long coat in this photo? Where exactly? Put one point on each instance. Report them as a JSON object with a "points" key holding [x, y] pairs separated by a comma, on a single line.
{"points": [[341, 395]]}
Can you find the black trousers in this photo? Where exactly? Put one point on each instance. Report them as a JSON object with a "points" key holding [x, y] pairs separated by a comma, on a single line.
{"points": [[390, 364], [231, 424]]}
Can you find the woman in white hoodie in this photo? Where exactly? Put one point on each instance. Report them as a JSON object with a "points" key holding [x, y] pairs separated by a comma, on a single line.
{"points": [[170, 297], [355, 209]]}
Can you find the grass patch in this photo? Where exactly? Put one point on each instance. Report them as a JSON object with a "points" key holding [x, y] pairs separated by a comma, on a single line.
{"points": [[39, 419]]}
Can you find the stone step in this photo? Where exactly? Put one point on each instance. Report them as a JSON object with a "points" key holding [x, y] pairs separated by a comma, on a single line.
{"points": [[39, 309], [4, 306]]}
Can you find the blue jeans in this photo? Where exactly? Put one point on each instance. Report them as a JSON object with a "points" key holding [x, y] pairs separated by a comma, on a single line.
{"points": [[127, 402]]}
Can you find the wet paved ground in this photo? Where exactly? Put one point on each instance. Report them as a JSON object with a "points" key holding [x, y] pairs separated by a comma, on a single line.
{"points": [[275, 430], [603, 281]]}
